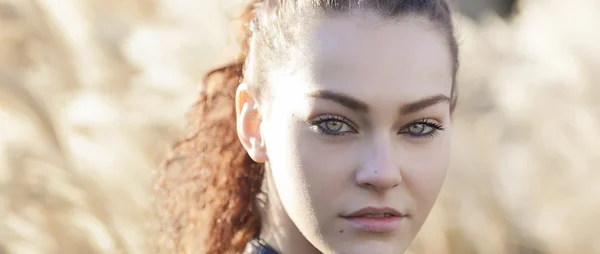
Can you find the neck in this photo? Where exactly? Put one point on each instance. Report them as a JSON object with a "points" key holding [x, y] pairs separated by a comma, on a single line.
{"points": [[277, 229]]}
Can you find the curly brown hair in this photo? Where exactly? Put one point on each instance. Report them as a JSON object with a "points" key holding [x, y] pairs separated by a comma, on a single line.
{"points": [[210, 194]]}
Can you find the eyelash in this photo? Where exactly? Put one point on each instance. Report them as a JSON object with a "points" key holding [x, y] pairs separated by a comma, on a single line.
{"points": [[427, 122], [436, 128], [319, 120]]}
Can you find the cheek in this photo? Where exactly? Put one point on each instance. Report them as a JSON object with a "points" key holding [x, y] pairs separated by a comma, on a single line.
{"points": [[297, 167], [327, 168], [304, 167], [310, 175], [308, 170], [282, 150], [425, 172]]}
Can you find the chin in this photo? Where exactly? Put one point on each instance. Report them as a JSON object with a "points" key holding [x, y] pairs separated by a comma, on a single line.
{"points": [[378, 247]]}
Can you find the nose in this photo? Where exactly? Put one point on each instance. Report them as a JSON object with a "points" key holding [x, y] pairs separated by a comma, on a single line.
{"points": [[379, 171]]}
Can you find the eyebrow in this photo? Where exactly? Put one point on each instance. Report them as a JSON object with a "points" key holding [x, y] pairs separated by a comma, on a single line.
{"points": [[424, 103], [357, 105], [342, 99]]}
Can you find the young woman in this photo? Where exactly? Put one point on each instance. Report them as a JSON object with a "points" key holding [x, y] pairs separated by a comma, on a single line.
{"points": [[330, 133]]}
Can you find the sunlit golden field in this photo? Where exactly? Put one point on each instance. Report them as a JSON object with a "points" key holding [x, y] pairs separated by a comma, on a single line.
{"points": [[92, 94]]}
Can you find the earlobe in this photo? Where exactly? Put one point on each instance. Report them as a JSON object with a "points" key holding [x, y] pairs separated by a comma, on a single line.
{"points": [[248, 121]]}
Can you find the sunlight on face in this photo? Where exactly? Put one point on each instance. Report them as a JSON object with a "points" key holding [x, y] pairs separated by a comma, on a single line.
{"points": [[364, 123]]}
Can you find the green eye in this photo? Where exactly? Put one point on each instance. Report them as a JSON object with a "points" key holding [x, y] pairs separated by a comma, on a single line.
{"points": [[335, 126], [419, 129], [422, 128], [332, 125]]}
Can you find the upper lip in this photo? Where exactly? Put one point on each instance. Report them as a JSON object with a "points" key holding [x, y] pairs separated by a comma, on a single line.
{"points": [[375, 211]]}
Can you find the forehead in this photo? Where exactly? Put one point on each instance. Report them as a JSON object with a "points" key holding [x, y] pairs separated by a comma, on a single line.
{"points": [[361, 53]]}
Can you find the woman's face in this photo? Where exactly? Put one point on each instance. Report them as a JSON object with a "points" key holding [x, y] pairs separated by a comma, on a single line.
{"points": [[357, 132]]}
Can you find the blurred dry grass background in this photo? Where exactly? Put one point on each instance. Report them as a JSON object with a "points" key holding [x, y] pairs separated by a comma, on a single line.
{"points": [[93, 92]]}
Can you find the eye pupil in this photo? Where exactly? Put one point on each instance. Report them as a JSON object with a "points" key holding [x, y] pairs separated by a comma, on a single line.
{"points": [[334, 125], [417, 128]]}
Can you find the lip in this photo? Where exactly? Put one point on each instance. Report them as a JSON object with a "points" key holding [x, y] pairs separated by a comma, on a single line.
{"points": [[363, 220]]}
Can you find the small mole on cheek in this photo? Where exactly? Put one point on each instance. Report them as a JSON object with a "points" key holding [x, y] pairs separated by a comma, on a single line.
{"points": [[375, 172], [341, 231]]}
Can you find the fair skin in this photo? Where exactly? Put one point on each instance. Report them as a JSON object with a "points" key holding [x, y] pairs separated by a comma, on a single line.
{"points": [[359, 118]]}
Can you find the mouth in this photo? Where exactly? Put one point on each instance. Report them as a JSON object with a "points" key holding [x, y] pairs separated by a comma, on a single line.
{"points": [[376, 220]]}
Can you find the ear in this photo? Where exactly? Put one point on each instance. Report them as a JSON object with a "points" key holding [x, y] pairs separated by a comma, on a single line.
{"points": [[248, 121]]}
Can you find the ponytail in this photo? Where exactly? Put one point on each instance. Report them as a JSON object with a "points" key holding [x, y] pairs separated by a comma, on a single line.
{"points": [[210, 198]]}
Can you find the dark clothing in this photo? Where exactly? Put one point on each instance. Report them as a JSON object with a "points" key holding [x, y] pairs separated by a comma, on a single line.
{"points": [[258, 246]]}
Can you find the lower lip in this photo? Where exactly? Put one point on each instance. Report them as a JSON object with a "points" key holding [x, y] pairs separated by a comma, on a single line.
{"points": [[375, 225]]}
